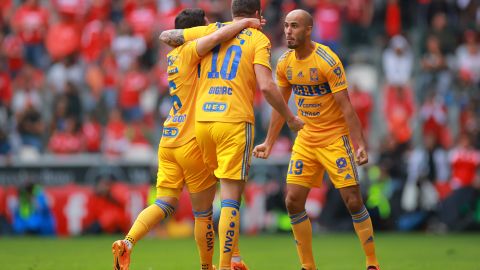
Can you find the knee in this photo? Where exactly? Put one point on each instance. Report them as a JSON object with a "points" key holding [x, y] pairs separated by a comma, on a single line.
{"points": [[294, 204], [354, 204]]}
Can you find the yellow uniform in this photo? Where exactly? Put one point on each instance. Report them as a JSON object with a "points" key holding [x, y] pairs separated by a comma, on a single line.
{"points": [[323, 143], [179, 157], [226, 89]]}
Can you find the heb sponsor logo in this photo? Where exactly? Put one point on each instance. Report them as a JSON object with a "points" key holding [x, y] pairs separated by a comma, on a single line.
{"points": [[214, 107], [170, 132]]}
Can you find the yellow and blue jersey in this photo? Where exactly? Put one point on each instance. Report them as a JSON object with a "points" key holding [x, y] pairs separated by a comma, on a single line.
{"points": [[227, 81], [179, 127], [313, 81]]}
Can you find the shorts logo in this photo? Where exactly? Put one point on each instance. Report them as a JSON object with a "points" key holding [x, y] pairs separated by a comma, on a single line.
{"points": [[341, 164], [170, 132], [300, 74], [214, 107], [314, 75]]}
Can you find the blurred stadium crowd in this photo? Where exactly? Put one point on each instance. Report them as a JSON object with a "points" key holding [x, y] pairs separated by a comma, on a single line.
{"points": [[89, 76]]}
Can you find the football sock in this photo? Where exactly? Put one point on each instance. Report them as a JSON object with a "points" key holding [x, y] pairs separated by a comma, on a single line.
{"points": [[205, 237], [302, 231], [147, 219], [228, 230], [363, 227], [236, 257]]}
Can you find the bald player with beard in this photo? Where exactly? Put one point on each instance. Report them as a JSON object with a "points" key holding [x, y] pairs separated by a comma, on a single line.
{"points": [[316, 76]]}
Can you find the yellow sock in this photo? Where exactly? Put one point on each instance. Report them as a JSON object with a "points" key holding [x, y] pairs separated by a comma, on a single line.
{"points": [[363, 227], [147, 219], [302, 231], [236, 253], [228, 230], [205, 237]]}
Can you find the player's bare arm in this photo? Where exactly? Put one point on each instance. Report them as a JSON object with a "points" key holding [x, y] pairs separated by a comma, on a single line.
{"points": [[173, 38], [276, 124], [274, 98], [207, 43], [353, 124]]}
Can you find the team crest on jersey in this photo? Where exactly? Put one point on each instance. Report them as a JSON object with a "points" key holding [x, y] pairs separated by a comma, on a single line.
{"points": [[300, 74], [289, 73], [341, 164], [338, 71]]}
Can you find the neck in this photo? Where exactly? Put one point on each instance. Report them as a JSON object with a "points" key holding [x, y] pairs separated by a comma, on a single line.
{"points": [[304, 50]]}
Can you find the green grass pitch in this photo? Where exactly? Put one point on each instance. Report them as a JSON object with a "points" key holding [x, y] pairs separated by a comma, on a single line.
{"points": [[332, 251]]}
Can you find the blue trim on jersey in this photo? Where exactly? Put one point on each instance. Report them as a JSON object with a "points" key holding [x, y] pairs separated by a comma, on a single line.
{"points": [[311, 90], [325, 56]]}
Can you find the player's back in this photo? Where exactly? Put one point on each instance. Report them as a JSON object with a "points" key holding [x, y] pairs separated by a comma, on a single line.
{"points": [[227, 81], [182, 83]]}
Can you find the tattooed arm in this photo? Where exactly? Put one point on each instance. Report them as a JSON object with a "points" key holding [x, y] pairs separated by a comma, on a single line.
{"points": [[172, 37]]}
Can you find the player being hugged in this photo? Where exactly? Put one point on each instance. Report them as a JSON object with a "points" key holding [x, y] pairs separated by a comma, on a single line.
{"points": [[180, 160], [316, 77]]}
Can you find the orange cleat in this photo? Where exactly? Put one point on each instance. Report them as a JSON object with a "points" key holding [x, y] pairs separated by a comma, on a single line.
{"points": [[239, 265], [121, 255]]}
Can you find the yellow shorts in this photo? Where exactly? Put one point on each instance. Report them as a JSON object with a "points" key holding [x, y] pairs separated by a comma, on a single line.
{"points": [[226, 147], [307, 165], [179, 166]]}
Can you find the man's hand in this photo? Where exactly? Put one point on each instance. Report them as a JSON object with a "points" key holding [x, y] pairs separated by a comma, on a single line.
{"points": [[295, 123], [362, 156], [254, 23], [262, 150]]}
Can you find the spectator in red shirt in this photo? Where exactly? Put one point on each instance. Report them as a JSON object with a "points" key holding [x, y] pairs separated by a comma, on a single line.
{"points": [[97, 36], [115, 140], [142, 19], [399, 109], [68, 141], [433, 114], [457, 211], [99, 10], [465, 161], [133, 84], [92, 133], [363, 104], [5, 89], [12, 48], [30, 21], [328, 23]]}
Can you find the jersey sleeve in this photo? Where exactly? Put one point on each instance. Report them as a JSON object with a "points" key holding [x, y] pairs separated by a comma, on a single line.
{"points": [[335, 73], [189, 53], [193, 33], [280, 74], [262, 50]]}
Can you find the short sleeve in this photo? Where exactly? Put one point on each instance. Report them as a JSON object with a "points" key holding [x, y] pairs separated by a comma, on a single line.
{"points": [[262, 50], [335, 73], [280, 74], [193, 33]]}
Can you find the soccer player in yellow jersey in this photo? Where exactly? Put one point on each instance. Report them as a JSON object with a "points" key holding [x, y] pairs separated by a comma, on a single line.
{"points": [[180, 161], [224, 115], [316, 77]]}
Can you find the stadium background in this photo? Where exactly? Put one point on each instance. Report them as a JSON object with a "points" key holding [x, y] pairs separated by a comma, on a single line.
{"points": [[83, 95]]}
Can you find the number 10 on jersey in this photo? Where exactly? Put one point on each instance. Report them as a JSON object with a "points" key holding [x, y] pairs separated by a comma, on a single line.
{"points": [[234, 51]]}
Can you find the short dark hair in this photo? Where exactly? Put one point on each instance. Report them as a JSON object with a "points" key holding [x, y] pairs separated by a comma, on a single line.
{"points": [[190, 17], [245, 8]]}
